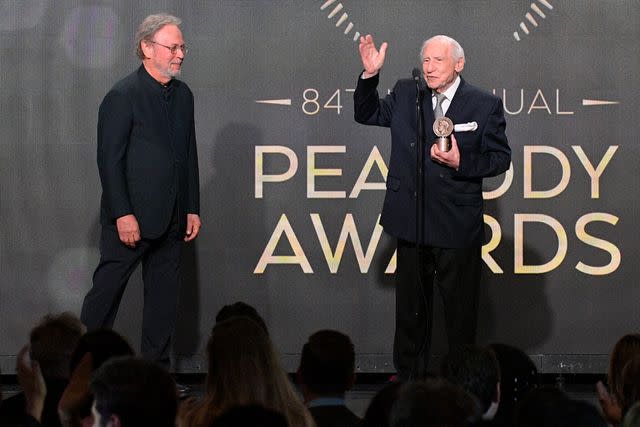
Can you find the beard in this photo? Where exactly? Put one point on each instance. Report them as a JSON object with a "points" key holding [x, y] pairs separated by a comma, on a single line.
{"points": [[169, 71], [173, 72]]}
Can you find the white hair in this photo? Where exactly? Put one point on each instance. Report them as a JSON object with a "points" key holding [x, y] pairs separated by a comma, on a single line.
{"points": [[456, 50]]}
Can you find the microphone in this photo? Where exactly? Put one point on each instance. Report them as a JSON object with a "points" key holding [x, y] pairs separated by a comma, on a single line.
{"points": [[417, 77]]}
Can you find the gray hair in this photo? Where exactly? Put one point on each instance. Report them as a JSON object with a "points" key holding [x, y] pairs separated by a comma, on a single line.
{"points": [[456, 50], [150, 26]]}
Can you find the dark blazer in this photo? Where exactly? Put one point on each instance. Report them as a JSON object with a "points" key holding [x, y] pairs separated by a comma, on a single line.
{"points": [[452, 199], [147, 155], [334, 416]]}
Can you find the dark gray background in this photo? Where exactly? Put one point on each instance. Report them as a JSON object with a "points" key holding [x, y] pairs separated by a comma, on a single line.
{"points": [[58, 59]]}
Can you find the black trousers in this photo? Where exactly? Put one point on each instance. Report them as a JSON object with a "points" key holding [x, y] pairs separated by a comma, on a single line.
{"points": [[161, 276], [456, 273]]}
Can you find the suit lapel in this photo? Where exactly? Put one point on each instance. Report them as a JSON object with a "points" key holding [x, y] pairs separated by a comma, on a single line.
{"points": [[429, 118], [458, 102]]}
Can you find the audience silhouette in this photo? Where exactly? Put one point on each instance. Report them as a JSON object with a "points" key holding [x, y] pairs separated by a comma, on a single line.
{"points": [[75, 379]]}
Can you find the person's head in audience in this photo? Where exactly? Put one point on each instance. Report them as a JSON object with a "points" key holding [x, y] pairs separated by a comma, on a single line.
{"points": [[630, 379], [540, 407], [550, 407], [580, 413], [378, 412], [632, 419], [613, 400], [133, 392], [250, 416], [625, 349], [518, 376], [476, 370], [51, 342], [244, 369], [327, 365], [103, 345], [241, 309], [434, 403]]}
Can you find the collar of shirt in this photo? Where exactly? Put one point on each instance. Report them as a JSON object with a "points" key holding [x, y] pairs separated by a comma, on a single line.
{"points": [[449, 93], [153, 83], [326, 401]]}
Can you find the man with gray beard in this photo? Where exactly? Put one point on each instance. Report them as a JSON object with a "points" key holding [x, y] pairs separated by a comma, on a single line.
{"points": [[148, 167]]}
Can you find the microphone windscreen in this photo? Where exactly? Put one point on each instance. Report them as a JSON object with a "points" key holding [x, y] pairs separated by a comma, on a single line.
{"points": [[417, 77]]}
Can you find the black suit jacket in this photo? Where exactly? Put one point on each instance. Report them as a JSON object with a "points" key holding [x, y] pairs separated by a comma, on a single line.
{"points": [[452, 199], [334, 416], [147, 155]]}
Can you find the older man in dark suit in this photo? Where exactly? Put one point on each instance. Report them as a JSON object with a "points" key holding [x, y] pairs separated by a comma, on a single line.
{"points": [[148, 167], [449, 247]]}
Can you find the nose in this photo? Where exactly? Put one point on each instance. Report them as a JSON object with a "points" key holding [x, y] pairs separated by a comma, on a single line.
{"points": [[429, 67]]}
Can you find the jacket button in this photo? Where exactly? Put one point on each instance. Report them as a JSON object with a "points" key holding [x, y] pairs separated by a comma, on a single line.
{"points": [[413, 144]]}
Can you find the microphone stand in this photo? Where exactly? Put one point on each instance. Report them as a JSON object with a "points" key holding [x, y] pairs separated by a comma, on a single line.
{"points": [[419, 164], [420, 143]]}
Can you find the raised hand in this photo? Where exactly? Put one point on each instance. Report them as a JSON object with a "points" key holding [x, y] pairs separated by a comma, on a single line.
{"points": [[610, 407], [372, 59], [32, 383], [77, 394]]}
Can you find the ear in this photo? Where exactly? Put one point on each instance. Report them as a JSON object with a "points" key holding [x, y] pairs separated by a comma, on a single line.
{"points": [[459, 65], [147, 48]]}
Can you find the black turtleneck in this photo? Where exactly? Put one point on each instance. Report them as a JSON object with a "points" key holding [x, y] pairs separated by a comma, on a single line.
{"points": [[147, 154]]}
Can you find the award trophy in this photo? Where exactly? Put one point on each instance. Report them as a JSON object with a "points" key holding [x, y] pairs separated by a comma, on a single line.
{"points": [[443, 127]]}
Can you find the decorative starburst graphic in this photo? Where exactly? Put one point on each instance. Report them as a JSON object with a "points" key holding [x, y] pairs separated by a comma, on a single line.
{"points": [[342, 19], [532, 19], [334, 9]]}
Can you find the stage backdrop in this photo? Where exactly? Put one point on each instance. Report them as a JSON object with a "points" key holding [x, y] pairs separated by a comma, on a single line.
{"points": [[292, 187]]}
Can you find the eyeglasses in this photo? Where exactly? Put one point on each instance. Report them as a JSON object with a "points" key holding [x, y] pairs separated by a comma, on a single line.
{"points": [[174, 48]]}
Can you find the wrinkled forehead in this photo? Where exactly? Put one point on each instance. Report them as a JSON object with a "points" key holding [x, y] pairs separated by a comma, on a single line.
{"points": [[437, 48], [169, 34]]}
